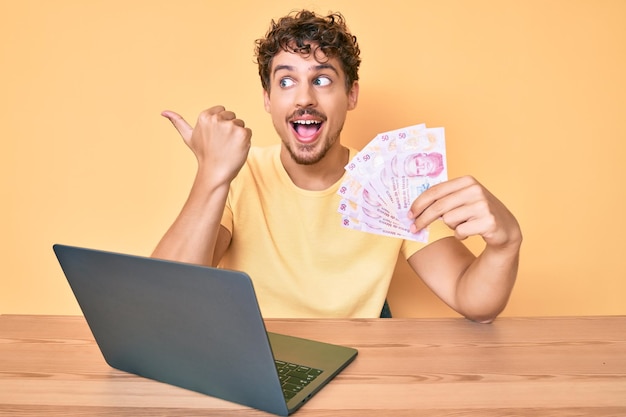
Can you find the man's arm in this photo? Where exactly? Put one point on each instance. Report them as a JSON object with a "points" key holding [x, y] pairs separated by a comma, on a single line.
{"points": [[476, 287], [220, 143]]}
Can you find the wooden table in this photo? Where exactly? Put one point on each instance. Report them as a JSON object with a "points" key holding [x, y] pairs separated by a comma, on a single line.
{"points": [[50, 365]]}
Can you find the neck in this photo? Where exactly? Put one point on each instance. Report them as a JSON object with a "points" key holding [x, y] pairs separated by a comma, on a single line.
{"points": [[318, 176]]}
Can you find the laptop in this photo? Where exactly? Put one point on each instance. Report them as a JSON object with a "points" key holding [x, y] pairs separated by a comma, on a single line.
{"points": [[195, 327]]}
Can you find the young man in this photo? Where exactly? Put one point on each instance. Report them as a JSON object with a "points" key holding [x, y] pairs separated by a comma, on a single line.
{"points": [[272, 211]]}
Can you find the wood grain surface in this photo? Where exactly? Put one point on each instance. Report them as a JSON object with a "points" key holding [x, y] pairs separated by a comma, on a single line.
{"points": [[576, 366]]}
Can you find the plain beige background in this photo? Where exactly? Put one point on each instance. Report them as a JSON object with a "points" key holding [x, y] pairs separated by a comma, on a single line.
{"points": [[532, 95]]}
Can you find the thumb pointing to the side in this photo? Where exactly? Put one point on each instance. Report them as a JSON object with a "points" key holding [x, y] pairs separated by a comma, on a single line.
{"points": [[181, 125]]}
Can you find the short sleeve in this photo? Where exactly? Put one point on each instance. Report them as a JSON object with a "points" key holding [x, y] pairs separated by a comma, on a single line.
{"points": [[227, 215]]}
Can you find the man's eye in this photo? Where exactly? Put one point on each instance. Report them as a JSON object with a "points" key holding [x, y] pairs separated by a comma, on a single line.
{"points": [[286, 82], [321, 81]]}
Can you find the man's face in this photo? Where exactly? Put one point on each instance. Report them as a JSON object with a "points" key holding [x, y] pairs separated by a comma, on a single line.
{"points": [[308, 103]]}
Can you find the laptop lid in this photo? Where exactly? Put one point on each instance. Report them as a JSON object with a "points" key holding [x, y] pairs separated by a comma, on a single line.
{"points": [[195, 327]]}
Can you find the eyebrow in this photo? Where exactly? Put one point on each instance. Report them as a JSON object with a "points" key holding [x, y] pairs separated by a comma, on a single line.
{"points": [[316, 68]]}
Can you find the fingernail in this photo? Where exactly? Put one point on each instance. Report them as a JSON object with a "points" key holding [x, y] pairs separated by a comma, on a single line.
{"points": [[410, 214]]}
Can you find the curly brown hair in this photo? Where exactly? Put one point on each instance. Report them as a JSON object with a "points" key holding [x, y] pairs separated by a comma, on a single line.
{"points": [[298, 32]]}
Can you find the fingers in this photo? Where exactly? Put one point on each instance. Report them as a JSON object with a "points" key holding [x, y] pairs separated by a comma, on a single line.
{"points": [[470, 219], [219, 132], [181, 125], [185, 129], [224, 114], [459, 203], [229, 115], [469, 209], [442, 199]]}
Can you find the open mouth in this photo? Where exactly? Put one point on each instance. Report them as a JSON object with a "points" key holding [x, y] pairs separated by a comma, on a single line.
{"points": [[306, 129]]}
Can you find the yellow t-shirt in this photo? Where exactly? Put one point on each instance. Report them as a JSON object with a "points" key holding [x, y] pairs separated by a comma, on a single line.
{"points": [[291, 242]]}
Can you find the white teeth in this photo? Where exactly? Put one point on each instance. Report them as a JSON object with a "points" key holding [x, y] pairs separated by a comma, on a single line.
{"points": [[307, 122]]}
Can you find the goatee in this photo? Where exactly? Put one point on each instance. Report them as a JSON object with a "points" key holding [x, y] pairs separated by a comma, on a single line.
{"points": [[307, 155]]}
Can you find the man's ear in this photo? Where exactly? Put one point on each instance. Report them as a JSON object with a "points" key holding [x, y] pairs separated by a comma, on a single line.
{"points": [[266, 101], [353, 96]]}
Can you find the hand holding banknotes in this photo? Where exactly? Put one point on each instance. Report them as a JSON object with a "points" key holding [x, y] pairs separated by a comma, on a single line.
{"points": [[469, 209], [397, 186]]}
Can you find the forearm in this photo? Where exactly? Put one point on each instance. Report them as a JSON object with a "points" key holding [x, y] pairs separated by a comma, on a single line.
{"points": [[485, 286], [193, 235]]}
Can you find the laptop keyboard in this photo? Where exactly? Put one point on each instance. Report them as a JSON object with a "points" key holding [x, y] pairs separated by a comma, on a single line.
{"points": [[294, 377]]}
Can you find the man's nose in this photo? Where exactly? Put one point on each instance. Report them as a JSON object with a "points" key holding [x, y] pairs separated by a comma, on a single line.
{"points": [[305, 96]]}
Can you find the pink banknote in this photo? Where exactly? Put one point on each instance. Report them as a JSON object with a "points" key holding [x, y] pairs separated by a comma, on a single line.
{"points": [[387, 176]]}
